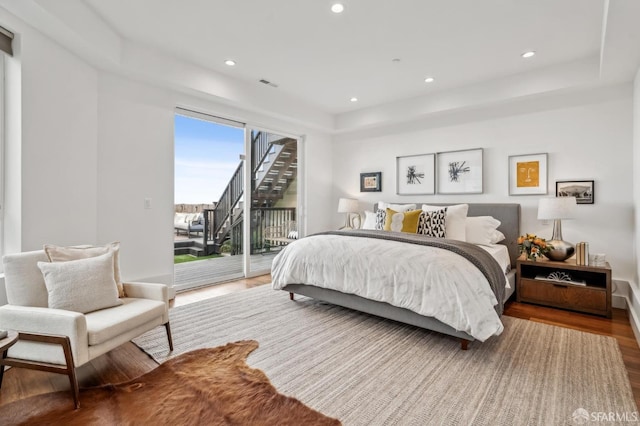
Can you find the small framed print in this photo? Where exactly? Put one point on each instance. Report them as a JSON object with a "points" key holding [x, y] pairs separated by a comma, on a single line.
{"points": [[415, 174], [528, 174], [371, 182], [460, 172], [581, 189]]}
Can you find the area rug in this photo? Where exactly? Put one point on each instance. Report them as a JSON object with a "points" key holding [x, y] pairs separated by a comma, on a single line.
{"points": [[203, 387], [364, 370]]}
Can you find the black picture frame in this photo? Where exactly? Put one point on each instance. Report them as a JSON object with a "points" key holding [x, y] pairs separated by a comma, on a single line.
{"points": [[583, 190], [371, 182]]}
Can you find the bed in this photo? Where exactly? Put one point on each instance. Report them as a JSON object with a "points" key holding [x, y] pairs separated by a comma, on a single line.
{"points": [[507, 214]]}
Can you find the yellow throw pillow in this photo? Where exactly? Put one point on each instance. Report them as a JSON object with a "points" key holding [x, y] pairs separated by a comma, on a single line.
{"points": [[402, 222]]}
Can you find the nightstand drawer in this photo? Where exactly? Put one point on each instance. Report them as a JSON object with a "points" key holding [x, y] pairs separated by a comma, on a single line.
{"points": [[568, 296]]}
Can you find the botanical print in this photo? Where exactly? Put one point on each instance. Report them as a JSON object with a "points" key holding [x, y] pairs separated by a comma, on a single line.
{"points": [[460, 172], [528, 174], [456, 169], [414, 176]]}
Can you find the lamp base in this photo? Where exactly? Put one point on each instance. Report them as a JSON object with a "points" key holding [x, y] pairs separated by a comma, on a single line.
{"points": [[561, 251]]}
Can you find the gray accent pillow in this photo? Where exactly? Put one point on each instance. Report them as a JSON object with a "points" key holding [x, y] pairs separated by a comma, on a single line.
{"points": [[83, 285]]}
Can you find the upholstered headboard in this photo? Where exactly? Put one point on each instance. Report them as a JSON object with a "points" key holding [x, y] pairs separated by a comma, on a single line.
{"points": [[507, 213]]}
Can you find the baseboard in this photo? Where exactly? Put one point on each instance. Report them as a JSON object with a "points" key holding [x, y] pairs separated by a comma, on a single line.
{"points": [[634, 320], [619, 301], [628, 297]]}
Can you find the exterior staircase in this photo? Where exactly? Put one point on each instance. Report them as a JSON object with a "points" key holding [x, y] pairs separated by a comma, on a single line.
{"points": [[274, 168]]}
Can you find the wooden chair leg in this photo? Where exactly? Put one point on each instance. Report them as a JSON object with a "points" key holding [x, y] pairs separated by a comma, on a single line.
{"points": [[4, 355], [69, 369], [168, 328]]}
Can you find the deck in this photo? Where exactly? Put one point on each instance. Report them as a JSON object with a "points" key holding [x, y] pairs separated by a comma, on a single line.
{"points": [[210, 271]]}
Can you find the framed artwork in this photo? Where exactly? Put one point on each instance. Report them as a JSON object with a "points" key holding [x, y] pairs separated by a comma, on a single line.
{"points": [[528, 174], [415, 174], [371, 182], [460, 172], [581, 189]]}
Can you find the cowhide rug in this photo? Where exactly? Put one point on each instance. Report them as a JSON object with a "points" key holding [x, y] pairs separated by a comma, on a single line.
{"points": [[205, 386]]}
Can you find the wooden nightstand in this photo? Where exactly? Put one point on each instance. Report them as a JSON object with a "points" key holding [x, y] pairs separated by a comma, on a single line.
{"points": [[533, 285]]}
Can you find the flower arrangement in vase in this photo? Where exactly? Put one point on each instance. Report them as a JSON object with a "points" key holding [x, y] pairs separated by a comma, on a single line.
{"points": [[533, 246]]}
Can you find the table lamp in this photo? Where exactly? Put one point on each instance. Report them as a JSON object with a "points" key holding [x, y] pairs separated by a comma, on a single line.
{"points": [[557, 209], [348, 206]]}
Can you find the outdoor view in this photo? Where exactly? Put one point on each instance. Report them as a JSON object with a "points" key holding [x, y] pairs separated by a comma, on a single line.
{"points": [[210, 199]]}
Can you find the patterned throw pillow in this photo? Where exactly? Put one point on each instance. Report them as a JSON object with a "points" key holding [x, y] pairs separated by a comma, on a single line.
{"points": [[381, 216], [432, 224]]}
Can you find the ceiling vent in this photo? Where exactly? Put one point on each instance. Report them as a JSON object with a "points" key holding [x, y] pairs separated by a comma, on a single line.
{"points": [[267, 82]]}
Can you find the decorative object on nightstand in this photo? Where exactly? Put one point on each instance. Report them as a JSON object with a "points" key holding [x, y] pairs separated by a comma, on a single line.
{"points": [[533, 247], [582, 253], [347, 206], [557, 209]]}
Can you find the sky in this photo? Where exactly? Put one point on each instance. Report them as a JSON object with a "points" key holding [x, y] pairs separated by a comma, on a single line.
{"points": [[206, 156]]}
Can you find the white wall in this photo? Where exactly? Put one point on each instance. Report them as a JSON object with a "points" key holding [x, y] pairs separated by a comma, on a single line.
{"points": [[58, 144], [634, 290], [92, 146], [589, 141]]}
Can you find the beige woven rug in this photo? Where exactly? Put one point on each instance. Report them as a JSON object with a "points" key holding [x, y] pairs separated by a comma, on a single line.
{"points": [[365, 370]]}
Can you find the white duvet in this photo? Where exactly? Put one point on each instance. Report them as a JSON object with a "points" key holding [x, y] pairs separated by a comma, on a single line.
{"points": [[427, 280]]}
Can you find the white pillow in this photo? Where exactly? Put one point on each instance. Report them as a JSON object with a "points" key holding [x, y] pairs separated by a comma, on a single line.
{"points": [[83, 285], [369, 220], [400, 208], [65, 254], [455, 220], [482, 230], [497, 236]]}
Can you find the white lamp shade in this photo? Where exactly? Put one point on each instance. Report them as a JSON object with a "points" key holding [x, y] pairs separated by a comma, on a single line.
{"points": [[556, 208], [347, 205]]}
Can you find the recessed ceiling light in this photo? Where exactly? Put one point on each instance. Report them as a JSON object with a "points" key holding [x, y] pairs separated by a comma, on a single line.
{"points": [[354, 99], [429, 80], [337, 8], [230, 62], [528, 54]]}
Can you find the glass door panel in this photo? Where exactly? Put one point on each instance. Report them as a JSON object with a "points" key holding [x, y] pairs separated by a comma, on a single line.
{"points": [[272, 199]]}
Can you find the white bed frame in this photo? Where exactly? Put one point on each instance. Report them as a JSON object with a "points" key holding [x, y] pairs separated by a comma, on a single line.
{"points": [[507, 214]]}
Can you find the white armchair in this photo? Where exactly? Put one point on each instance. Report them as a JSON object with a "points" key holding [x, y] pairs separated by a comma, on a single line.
{"points": [[58, 340]]}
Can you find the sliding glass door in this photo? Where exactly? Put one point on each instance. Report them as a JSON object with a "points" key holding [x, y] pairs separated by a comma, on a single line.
{"points": [[236, 198]]}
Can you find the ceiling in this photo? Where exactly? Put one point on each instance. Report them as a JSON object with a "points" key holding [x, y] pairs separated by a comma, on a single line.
{"points": [[325, 58], [320, 60]]}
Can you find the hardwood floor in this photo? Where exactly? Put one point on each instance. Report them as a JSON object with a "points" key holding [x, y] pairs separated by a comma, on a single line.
{"points": [[121, 364], [128, 362]]}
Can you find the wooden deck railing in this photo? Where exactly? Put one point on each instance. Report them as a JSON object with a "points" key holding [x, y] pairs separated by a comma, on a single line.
{"points": [[266, 221], [228, 200]]}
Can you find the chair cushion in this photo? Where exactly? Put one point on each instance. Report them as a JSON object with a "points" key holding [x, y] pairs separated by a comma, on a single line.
{"points": [[83, 285], [65, 254], [106, 324], [23, 279]]}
